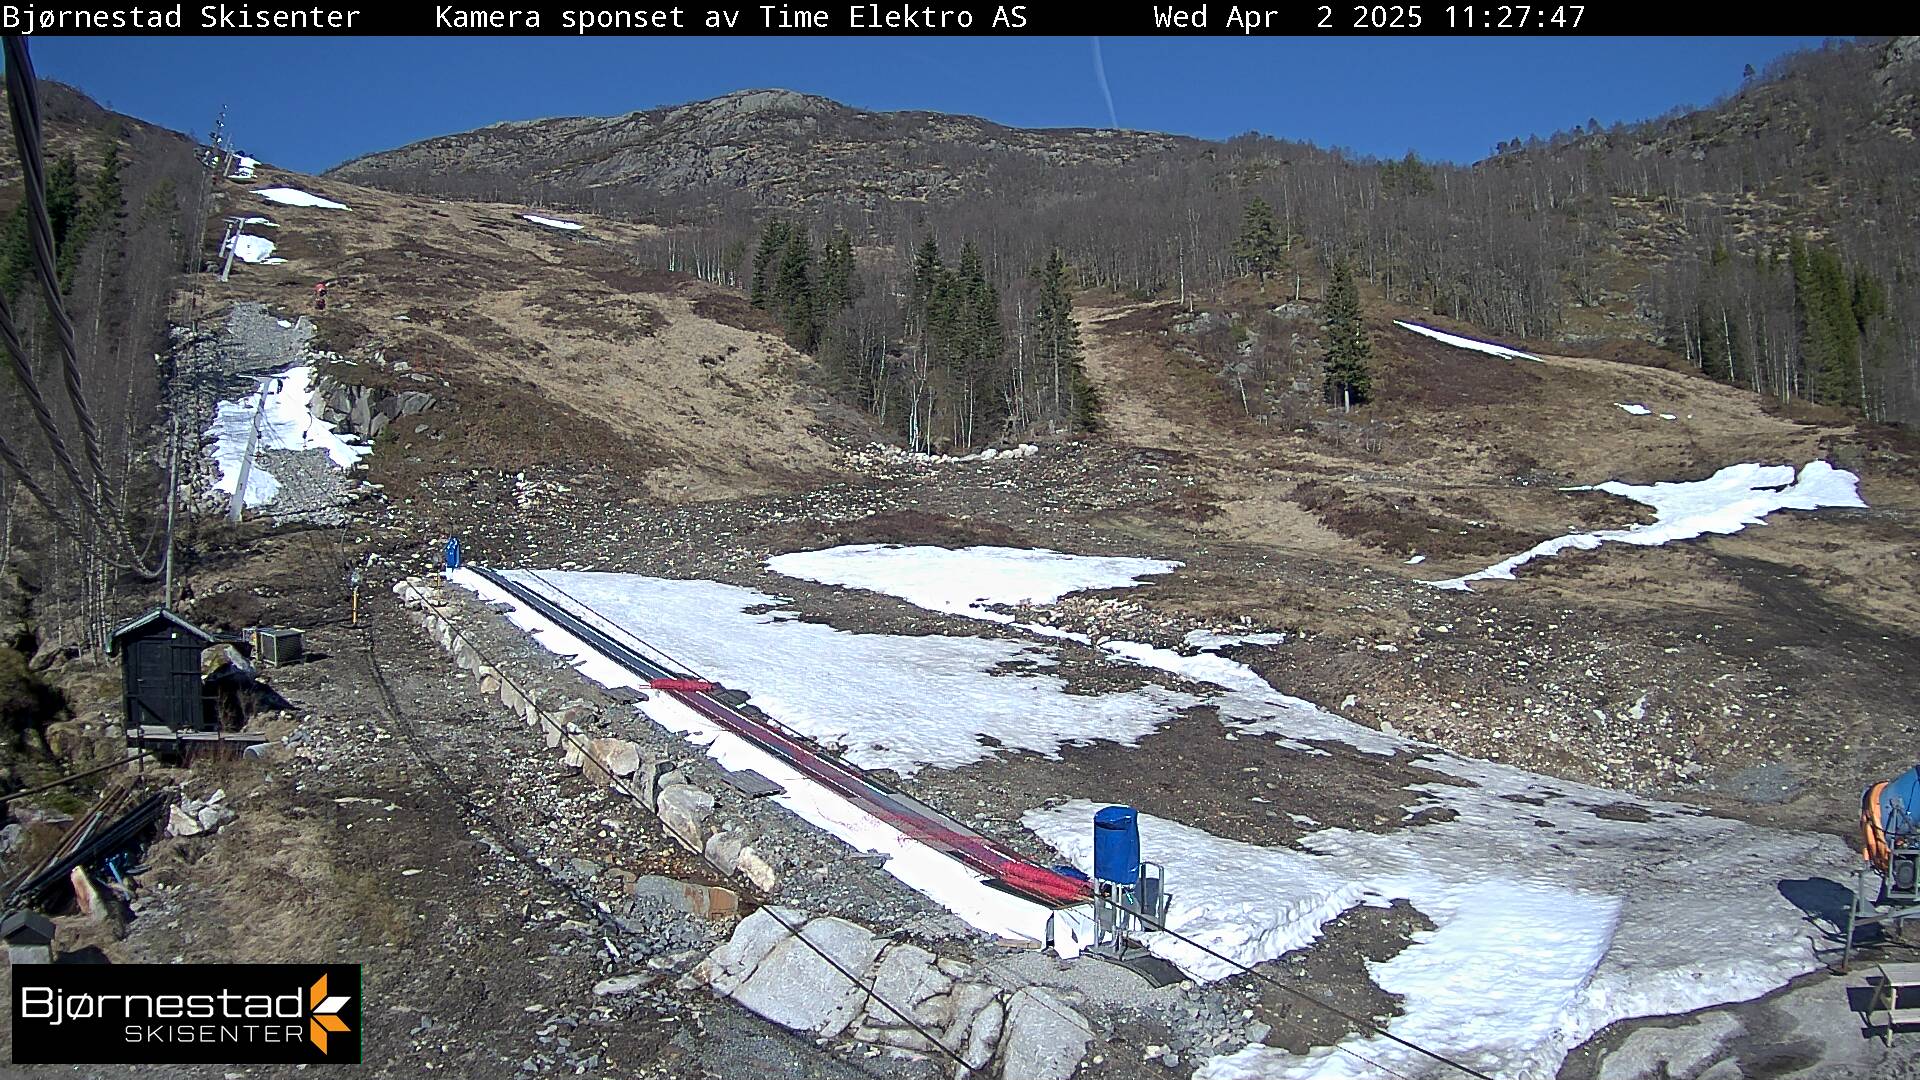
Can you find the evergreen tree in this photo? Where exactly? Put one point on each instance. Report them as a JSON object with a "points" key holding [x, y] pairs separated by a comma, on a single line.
{"points": [[927, 272], [63, 197], [1057, 346], [1829, 330], [100, 207], [793, 292], [16, 253], [766, 262], [977, 339], [1260, 245], [1349, 377], [1408, 176], [833, 295], [837, 288]]}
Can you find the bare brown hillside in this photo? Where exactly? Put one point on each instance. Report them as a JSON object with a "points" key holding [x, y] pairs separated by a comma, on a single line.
{"points": [[550, 347]]}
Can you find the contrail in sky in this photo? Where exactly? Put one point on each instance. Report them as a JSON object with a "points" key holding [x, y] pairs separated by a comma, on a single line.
{"points": [[1100, 73]]}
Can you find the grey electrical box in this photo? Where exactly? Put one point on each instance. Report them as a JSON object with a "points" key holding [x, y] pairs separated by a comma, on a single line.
{"points": [[1903, 875], [276, 645]]}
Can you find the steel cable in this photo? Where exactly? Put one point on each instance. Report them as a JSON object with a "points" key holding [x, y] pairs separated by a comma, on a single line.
{"points": [[23, 99]]}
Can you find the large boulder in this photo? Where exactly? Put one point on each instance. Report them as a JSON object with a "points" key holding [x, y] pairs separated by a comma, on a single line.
{"points": [[614, 757], [732, 964], [1044, 1038], [686, 811], [796, 987], [908, 978]]}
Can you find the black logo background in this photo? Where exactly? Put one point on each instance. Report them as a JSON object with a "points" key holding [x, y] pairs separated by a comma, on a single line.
{"points": [[103, 1041]]}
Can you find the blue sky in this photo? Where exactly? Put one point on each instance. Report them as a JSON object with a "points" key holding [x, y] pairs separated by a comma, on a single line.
{"points": [[307, 105]]}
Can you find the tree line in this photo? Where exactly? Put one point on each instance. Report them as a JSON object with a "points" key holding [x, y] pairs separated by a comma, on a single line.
{"points": [[1588, 234], [941, 352]]}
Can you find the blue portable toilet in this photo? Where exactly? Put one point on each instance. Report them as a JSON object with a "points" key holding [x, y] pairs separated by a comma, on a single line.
{"points": [[1116, 845], [453, 553]]}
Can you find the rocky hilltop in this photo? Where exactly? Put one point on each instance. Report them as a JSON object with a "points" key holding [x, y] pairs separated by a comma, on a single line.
{"points": [[776, 145]]}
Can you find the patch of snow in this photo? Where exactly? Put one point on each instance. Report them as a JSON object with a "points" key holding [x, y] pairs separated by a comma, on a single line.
{"points": [[259, 221], [884, 701], [1459, 342], [553, 223], [974, 578], [1726, 502], [929, 872], [1668, 416], [285, 423], [1543, 934], [966, 581], [243, 167], [252, 249], [287, 196], [1633, 410], [1416, 560]]}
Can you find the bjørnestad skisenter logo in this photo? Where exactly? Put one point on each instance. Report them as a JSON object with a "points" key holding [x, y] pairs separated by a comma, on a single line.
{"points": [[220, 1014]]}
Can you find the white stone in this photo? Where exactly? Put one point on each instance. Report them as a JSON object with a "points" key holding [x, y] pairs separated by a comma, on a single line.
{"points": [[620, 984], [753, 866], [983, 1035], [182, 823]]}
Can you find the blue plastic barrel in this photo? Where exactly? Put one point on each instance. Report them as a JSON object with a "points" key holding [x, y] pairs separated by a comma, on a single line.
{"points": [[453, 553], [1116, 845]]}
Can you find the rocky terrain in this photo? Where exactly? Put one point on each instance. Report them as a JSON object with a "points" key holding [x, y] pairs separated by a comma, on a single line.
{"points": [[781, 147]]}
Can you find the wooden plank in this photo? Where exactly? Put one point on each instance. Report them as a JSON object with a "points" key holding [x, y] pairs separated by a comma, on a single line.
{"points": [[751, 783]]}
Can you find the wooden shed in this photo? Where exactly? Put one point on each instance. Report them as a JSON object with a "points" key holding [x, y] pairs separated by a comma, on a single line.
{"points": [[160, 671]]}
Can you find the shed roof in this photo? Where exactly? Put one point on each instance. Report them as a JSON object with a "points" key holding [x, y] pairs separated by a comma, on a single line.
{"points": [[26, 928], [113, 639]]}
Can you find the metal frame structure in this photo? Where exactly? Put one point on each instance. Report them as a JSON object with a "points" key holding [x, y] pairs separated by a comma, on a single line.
{"points": [[1878, 912]]}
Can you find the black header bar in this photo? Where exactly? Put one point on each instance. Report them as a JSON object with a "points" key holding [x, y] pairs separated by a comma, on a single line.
{"points": [[913, 18]]}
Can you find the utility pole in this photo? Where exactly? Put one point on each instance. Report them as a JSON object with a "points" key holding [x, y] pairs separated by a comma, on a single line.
{"points": [[173, 472]]}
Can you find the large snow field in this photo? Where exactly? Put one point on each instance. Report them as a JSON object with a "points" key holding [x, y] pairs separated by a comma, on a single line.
{"points": [[1726, 502], [286, 423], [970, 582], [885, 701], [287, 196], [1550, 921], [1459, 342]]}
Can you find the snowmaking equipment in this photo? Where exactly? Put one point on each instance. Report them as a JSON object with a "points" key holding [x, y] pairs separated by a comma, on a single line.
{"points": [[1129, 894], [1890, 828]]}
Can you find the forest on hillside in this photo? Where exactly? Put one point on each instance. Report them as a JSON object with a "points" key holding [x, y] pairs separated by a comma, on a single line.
{"points": [[124, 203], [1768, 240]]}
